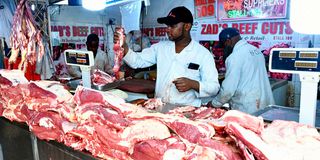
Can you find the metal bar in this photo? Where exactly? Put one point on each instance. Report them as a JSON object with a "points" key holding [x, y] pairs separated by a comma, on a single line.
{"points": [[34, 147]]}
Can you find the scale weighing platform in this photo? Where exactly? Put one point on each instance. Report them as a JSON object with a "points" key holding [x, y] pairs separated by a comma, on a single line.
{"points": [[306, 63], [82, 59]]}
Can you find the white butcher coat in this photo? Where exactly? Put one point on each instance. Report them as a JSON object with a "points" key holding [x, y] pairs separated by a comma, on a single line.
{"points": [[246, 86], [101, 62], [171, 65]]}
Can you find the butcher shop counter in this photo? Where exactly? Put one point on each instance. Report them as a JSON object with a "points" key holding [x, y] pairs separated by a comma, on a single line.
{"points": [[133, 88], [18, 143], [138, 88]]}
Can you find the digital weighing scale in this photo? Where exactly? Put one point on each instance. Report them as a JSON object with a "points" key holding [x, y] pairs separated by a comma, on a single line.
{"points": [[82, 59], [305, 62]]}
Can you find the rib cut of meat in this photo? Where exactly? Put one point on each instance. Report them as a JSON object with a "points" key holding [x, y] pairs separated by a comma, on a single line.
{"points": [[260, 149], [189, 130], [86, 95], [108, 100], [126, 139], [99, 114], [18, 114], [247, 121], [42, 100], [63, 95]]}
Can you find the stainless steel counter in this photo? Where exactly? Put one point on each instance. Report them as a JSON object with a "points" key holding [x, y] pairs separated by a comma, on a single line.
{"points": [[275, 112], [276, 83]]}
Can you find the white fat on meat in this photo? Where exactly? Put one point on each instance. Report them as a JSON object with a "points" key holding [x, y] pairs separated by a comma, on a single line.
{"points": [[46, 122], [146, 128], [86, 115], [153, 103], [297, 140], [112, 99], [143, 130], [57, 88], [68, 126], [202, 153], [173, 154]]}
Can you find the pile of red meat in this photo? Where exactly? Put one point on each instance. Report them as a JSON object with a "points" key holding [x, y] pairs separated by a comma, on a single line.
{"points": [[109, 128]]}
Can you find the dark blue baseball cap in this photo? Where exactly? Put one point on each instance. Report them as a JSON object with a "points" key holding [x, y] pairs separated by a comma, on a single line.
{"points": [[227, 33]]}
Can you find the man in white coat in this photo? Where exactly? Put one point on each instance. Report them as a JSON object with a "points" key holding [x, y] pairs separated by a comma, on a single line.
{"points": [[246, 86], [186, 70], [101, 59]]}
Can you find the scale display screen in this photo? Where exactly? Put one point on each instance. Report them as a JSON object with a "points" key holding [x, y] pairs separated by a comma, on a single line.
{"points": [[294, 60], [79, 58]]}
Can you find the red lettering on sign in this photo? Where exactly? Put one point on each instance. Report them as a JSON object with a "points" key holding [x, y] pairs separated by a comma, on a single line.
{"points": [[254, 27], [80, 31], [273, 28], [225, 25], [276, 28], [200, 2], [209, 29], [161, 31], [265, 28], [97, 30], [60, 29], [246, 28], [235, 25], [205, 10], [148, 31], [54, 28], [74, 31], [288, 28], [68, 34], [281, 25], [203, 28]]}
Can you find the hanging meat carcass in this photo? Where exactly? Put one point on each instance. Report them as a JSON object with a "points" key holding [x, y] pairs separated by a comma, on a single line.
{"points": [[118, 53], [25, 38]]}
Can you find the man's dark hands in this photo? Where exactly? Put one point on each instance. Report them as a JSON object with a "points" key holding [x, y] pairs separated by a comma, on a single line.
{"points": [[209, 105], [184, 84]]}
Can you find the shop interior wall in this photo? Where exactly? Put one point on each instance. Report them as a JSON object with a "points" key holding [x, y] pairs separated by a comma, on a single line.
{"points": [[77, 15]]}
